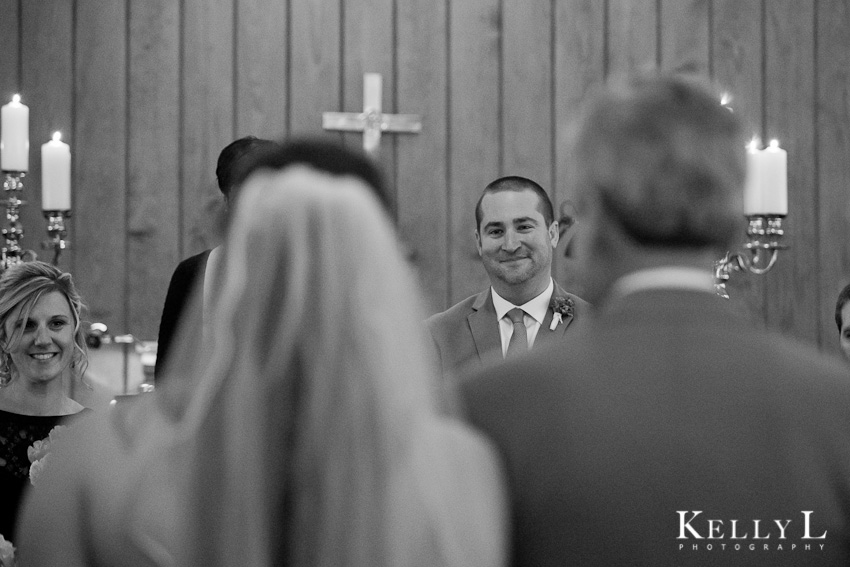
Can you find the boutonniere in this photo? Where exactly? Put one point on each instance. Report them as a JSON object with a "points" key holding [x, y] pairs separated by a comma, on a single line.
{"points": [[563, 307]]}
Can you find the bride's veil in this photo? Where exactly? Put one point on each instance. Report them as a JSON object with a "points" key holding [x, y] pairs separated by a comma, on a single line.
{"points": [[298, 411]]}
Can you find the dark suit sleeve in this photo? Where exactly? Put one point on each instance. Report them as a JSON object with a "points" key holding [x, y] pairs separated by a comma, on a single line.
{"points": [[177, 298]]}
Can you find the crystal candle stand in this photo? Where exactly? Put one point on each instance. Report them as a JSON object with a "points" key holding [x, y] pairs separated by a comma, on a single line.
{"points": [[56, 233], [11, 252], [764, 234]]}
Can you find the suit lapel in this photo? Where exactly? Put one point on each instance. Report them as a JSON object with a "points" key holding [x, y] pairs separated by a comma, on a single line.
{"points": [[544, 335], [485, 328]]}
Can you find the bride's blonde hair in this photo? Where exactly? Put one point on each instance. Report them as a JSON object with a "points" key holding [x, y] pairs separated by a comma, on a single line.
{"points": [[313, 378]]}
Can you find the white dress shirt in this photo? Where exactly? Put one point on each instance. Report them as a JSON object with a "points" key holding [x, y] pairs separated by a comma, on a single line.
{"points": [[209, 276], [535, 312]]}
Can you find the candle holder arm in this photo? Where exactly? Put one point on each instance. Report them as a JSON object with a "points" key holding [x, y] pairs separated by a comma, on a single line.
{"points": [[765, 235]]}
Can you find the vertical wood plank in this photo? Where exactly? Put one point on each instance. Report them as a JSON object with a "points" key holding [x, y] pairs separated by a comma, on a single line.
{"points": [[737, 57], [47, 87], [262, 53], [527, 90], [789, 107], [833, 166], [98, 239], [314, 77], [154, 160], [474, 161], [684, 35], [579, 67], [422, 201], [10, 49], [632, 35], [368, 31], [207, 118]]}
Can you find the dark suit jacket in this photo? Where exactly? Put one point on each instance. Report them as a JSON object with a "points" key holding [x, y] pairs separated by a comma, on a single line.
{"points": [[188, 274], [467, 335], [670, 403]]}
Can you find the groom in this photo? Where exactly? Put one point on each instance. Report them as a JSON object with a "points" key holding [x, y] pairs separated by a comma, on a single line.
{"points": [[516, 234]]}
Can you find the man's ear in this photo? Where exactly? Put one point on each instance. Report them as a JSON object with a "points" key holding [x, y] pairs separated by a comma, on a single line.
{"points": [[478, 241], [554, 234]]}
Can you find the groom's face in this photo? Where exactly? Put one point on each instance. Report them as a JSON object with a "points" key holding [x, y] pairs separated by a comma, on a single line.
{"points": [[514, 241]]}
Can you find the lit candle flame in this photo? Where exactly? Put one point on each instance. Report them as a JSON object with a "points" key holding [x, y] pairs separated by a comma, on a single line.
{"points": [[57, 136], [16, 98], [725, 99], [754, 143], [774, 143]]}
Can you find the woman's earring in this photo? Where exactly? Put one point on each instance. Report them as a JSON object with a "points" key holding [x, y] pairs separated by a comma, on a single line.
{"points": [[5, 369]]}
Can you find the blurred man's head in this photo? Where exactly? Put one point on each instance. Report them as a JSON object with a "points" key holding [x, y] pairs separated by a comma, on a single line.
{"points": [[324, 155], [659, 167], [842, 319], [516, 234]]}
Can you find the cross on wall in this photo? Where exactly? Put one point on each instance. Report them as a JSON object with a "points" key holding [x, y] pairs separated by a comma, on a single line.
{"points": [[372, 121]]}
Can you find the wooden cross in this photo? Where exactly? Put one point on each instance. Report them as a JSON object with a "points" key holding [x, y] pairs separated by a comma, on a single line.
{"points": [[372, 122]]}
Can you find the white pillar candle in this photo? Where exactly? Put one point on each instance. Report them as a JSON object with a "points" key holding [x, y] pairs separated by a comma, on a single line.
{"points": [[14, 136], [776, 178], [56, 175], [766, 191]]}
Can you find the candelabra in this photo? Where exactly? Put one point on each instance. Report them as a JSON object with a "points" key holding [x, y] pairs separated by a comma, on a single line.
{"points": [[56, 233], [11, 252], [764, 233]]}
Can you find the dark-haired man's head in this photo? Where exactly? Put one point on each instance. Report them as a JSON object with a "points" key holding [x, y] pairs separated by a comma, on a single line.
{"points": [[517, 183], [234, 158], [515, 235]]}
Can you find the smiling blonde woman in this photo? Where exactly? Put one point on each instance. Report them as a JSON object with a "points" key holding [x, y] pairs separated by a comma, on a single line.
{"points": [[41, 340]]}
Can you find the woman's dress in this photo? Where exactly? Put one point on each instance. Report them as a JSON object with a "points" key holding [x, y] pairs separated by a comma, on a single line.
{"points": [[18, 433]]}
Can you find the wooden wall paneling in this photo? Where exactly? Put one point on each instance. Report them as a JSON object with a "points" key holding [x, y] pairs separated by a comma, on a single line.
{"points": [[154, 160], [527, 111], [422, 198], [47, 88], [474, 105], [685, 27], [737, 58], [833, 166], [10, 49], [368, 32], [579, 67], [262, 55], [207, 117], [314, 77], [789, 107], [99, 152], [632, 35]]}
